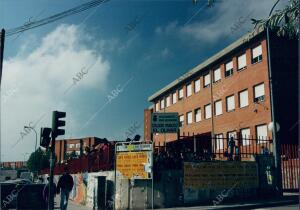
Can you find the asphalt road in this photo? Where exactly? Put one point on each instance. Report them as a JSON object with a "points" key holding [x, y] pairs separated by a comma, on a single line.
{"points": [[288, 207]]}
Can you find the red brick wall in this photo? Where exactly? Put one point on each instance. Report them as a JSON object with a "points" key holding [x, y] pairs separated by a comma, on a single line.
{"points": [[250, 116]]}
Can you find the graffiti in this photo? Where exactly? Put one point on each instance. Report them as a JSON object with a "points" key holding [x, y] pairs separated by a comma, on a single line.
{"points": [[79, 191]]}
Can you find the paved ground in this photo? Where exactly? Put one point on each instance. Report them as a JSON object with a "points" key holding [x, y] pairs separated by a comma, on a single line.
{"points": [[71, 205]]}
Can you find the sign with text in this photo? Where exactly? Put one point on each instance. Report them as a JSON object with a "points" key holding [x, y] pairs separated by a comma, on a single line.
{"points": [[220, 175], [167, 122], [131, 165], [134, 147]]}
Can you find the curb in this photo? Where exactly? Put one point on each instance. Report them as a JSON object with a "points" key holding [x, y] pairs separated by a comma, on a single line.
{"points": [[259, 205]]}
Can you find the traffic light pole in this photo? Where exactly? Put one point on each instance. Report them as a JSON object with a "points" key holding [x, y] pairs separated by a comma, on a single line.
{"points": [[52, 164]]}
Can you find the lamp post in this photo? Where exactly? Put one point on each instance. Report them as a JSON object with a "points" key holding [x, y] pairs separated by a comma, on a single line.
{"points": [[34, 156], [32, 128]]}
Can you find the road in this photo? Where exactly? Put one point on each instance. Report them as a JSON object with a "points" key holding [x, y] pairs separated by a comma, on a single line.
{"points": [[288, 207]]}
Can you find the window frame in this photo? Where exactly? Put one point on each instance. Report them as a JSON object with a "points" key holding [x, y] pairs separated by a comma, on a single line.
{"points": [[219, 141], [258, 58], [189, 87], [228, 70], [261, 140], [245, 139], [205, 114], [162, 101], [189, 115], [259, 98], [240, 98], [227, 97], [195, 114], [179, 91], [181, 123], [244, 67], [195, 86], [215, 108], [174, 93], [206, 85], [214, 79]]}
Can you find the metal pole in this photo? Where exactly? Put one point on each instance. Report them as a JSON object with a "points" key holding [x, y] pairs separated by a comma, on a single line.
{"points": [[1, 64], [1, 52], [276, 143], [152, 194], [52, 164], [115, 176]]}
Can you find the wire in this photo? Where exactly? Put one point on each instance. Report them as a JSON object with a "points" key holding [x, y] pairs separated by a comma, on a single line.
{"points": [[30, 25]]}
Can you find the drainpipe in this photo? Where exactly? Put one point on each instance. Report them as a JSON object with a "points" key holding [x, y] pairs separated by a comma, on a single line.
{"points": [[212, 111], [276, 142]]}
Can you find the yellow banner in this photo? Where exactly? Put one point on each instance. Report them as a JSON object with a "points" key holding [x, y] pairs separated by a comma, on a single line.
{"points": [[132, 164], [220, 175]]}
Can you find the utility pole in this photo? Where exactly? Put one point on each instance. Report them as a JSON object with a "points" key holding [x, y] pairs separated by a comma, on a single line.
{"points": [[1, 64], [57, 122], [1, 52]]}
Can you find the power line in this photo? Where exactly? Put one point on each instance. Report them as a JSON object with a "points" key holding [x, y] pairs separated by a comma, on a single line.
{"points": [[30, 25]]}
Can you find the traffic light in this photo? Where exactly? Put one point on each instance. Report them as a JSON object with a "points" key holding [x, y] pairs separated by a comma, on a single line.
{"points": [[45, 137], [57, 122]]}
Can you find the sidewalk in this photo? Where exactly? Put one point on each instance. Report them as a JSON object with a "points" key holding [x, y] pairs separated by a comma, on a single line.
{"points": [[288, 199], [71, 205]]}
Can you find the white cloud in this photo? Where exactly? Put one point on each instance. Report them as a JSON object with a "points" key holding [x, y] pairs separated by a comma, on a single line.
{"points": [[212, 24], [41, 77]]}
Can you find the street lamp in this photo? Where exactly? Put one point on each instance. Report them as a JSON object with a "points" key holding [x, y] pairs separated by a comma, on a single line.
{"points": [[32, 128]]}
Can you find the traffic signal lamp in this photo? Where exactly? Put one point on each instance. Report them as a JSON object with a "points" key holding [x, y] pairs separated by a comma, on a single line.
{"points": [[45, 137], [57, 123]]}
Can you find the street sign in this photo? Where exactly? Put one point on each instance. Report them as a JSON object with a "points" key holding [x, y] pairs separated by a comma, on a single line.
{"points": [[134, 161], [134, 147], [167, 122], [131, 165]]}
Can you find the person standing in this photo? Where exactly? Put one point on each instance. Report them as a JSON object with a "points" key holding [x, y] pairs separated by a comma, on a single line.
{"points": [[46, 190], [64, 187]]}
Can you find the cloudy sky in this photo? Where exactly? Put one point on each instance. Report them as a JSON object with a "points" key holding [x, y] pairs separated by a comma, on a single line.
{"points": [[101, 65]]}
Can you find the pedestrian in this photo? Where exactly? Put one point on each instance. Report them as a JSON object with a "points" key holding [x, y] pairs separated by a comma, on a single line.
{"points": [[231, 145], [64, 187], [46, 190]]}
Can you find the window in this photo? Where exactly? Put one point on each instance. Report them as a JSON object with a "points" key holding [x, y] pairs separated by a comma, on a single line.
{"points": [[207, 109], [259, 93], [180, 93], [245, 133], [243, 98], [230, 104], [71, 145], [217, 75], [189, 117], [228, 69], [181, 120], [174, 97], [77, 152], [256, 54], [231, 134], [157, 106], [218, 108], [206, 80], [242, 63], [261, 133], [162, 103], [197, 115], [78, 145], [219, 141], [189, 90], [168, 101], [197, 85]]}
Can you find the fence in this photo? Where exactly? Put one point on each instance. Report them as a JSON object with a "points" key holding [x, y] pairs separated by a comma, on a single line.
{"points": [[241, 147], [290, 167], [96, 160], [207, 148]]}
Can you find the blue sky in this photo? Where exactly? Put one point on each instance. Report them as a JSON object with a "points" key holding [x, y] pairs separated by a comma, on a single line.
{"points": [[125, 51]]}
